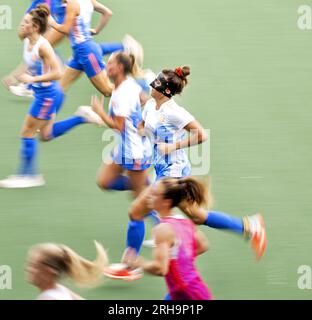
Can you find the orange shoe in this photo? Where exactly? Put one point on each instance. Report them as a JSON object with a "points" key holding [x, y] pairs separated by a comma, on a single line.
{"points": [[121, 271], [257, 234]]}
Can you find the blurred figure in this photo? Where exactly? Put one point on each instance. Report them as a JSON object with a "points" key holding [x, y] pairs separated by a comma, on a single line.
{"points": [[48, 263], [41, 69], [177, 241]]}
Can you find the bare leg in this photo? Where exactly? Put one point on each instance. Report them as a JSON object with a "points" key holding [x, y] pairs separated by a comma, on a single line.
{"points": [[102, 83], [54, 37], [70, 75], [107, 174]]}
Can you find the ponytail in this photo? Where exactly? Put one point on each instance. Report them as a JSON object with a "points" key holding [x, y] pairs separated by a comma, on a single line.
{"points": [[129, 63], [66, 262], [82, 271]]}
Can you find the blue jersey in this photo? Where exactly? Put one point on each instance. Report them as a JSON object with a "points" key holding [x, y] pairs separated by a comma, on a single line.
{"points": [[167, 125]]}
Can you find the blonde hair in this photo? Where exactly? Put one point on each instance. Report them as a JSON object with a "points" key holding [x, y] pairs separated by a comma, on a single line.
{"points": [[66, 262]]}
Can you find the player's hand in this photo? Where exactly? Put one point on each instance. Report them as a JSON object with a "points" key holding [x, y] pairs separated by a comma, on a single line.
{"points": [[165, 148], [93, 32], [96, 104], [25, 78], [8, 81]]}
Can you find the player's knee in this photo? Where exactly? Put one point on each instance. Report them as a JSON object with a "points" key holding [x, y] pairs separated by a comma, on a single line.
{"points": [[101, 183], [134, 215], [45, 137]]}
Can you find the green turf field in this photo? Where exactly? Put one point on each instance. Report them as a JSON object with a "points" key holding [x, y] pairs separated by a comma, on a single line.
{"points": [[250, 84]]}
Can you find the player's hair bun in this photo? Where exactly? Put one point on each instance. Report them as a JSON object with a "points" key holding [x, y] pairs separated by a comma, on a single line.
{"points": [[43, 10]]}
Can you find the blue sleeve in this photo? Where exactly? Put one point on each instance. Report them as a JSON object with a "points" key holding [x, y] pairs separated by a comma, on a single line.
{"points": [[34, 4]]}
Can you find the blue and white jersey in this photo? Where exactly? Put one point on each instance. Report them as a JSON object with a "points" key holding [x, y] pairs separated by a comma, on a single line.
{"points": [[166, 125], [80, 30], [125, 102], [86, 11], [32, 59]]}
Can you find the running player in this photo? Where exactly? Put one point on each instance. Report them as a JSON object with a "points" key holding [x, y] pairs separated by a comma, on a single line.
{"points": [[57, 10], [177, 241], [165, 124], [49, 263], [125, 117], [43, 71]]}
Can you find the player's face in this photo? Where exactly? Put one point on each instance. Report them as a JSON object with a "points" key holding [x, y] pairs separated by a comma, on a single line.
{"points": [[157, 200], [36, 272], [26, 27], [113, 68], [33, 269], [156, 95]]}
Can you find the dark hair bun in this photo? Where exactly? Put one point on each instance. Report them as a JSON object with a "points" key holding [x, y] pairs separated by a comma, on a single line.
{"points": [[43, 10], [186, 71]]}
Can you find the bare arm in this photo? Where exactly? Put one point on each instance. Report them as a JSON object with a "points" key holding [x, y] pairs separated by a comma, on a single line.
{"points": [[48, 56], [72, 10], [159, 266], [11, 79], [197, 136], [106, 14], [202, 244], [117, 123]]}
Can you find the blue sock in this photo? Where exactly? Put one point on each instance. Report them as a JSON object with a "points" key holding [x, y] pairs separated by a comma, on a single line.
{"points": [[61, 127], [29, 152], [154, 217], [135, 235], [121, 183], [220, 220], [108, 48]]}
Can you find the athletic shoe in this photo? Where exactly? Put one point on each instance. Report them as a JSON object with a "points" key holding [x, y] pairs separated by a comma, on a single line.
{"points": [[22, 181], [134, 47], [257, 234], [149, 243], [21, 90], [121, 271], [87, 113]]}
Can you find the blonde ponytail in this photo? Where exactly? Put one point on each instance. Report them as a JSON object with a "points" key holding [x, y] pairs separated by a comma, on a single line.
{"points": [[66, 262], [82, 271]]}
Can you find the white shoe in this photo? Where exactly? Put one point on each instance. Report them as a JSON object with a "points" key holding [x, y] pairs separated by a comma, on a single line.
{"points": [[134, 47], [26, 181], [149, 243], [87, 113], [21, 90]]}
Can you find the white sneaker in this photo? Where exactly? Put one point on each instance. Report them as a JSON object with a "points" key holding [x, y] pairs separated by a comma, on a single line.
{"points": [[134, 47], [27, 181], [149, 243], [21, 90], [87, 113]]}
